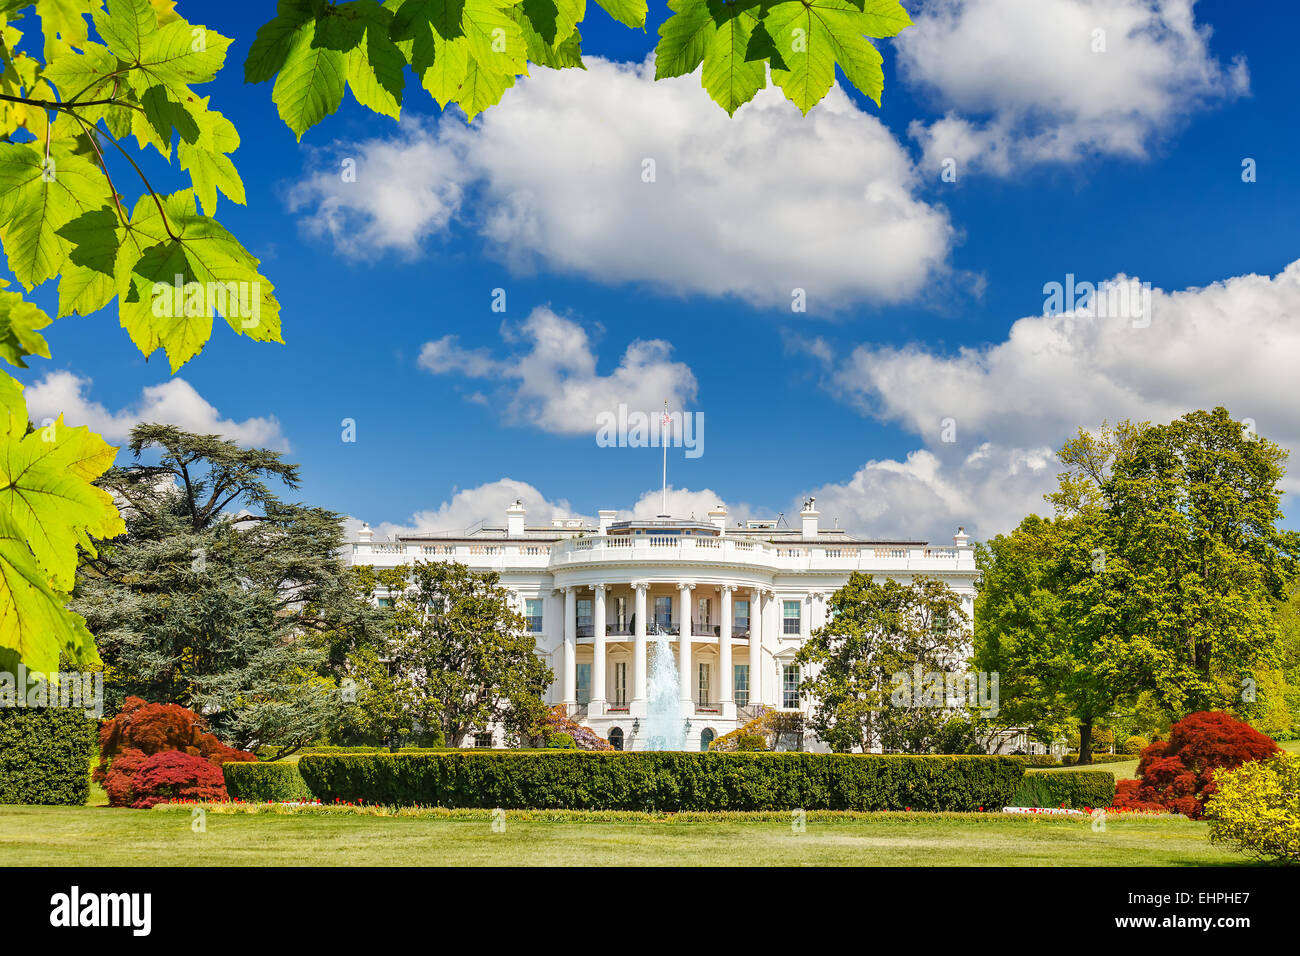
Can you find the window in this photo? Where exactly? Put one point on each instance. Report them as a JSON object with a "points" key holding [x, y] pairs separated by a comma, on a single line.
{"points": [[664, 611], [790, 615], [702, 618], [790, 686], [707, 736], [741, 615], [385, 602], [703, 684], [742, 684], [584, 683], [483, 739], [620, 682], [584, 617], [616, 738], [620, 614], [533, 612]]}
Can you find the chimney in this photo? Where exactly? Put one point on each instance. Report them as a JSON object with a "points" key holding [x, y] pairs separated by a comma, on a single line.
{"points": [[809, 516], [515, 519], [718, 518], [606, 519], [961, 539], [365, 535]]}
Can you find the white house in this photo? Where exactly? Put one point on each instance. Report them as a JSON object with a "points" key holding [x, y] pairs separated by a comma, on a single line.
{"points": [[733, 603]]}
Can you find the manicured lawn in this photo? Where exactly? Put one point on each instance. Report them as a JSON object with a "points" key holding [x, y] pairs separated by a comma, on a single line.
{"points": [[95, 836]]}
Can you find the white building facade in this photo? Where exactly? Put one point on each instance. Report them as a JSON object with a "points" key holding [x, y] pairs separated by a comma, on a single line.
{"points": [[734, 604]]}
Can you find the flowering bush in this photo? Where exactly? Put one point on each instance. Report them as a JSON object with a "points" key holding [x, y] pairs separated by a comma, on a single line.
{"points": [[142, 731], [557, 722], [1178, 774], [175, 775], [1256, 808]]}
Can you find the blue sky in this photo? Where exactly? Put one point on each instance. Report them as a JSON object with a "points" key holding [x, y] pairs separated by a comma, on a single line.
{"points": [[1069, 160]]}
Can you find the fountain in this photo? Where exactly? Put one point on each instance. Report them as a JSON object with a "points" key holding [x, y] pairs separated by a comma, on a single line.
{"points": [[664, 728]]}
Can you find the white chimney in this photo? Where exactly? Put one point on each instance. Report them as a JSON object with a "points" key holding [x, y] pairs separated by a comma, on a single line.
{"points": [[718, 518], [809, 516], [606, 519], [961, 539], [515, 519]]}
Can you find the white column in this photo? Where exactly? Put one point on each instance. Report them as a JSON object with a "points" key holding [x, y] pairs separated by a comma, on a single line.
{"points": [[755, 647], [570, 665], [685, 679], [638, 650], [725, 696], [597, 706]]}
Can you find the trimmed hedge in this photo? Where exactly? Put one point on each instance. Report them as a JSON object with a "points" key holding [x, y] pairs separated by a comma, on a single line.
{"points": [[260, 782], [45, 755], [1076, 789], [1071, 759], [667, 781]]}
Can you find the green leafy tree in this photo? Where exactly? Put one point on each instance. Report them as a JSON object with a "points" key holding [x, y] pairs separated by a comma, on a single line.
{"points": [[463, 656], [80, 78], [876, 632], [219, 594]]}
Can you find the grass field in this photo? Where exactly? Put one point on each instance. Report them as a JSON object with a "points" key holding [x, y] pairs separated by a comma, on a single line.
{"points": [[97, 836]]}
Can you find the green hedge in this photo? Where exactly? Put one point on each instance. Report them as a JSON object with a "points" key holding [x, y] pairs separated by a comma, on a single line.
{"points": [[1071, 759], [617, 780], [1076, 789], [45, 755], [260, 782]]}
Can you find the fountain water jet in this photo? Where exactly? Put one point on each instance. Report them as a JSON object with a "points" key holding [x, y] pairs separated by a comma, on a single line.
{"points": [[664, 727]]}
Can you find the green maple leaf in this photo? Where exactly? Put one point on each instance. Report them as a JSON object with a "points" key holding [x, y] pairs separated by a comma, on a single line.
{"points": [[63, 23], [86, 284], [718, 34], [310, 84], [36, 200], [630, 13], [151, 264], [375, 65], [206, 161], [19, 322], [550, 30], [811, 38]]}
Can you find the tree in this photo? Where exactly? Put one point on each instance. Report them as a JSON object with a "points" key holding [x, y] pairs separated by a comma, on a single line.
{"points": [[221, 596], [464, 659], [1192, 514], [880, 636], [68, 103]]}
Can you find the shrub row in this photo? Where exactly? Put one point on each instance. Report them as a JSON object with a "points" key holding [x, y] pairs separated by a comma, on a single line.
{"points": [[669, 781], [260, 782], [1071, 759], [45, 755], [1076, 789]]}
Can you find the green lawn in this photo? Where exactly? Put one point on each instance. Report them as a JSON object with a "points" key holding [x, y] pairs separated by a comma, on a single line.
{"points": [[97, 836]]}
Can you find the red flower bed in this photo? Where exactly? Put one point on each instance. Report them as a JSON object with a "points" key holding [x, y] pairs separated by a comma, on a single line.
{"points": [[1177, 775]]}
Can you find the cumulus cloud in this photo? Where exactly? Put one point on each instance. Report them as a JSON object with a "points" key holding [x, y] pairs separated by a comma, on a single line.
{"points": [[551, 380], [470, 508], [1033, 81], [558, 170], [173, 402], [1010, 404]]}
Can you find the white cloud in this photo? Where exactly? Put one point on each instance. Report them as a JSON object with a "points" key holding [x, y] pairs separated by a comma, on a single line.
{"points": [[1232, 343], [752, 206], [1022, 83], [470, 508], [173, 402], [554, 384]]}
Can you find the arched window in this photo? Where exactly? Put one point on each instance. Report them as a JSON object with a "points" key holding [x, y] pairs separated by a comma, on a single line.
{"points": [[706, 737], [616, 738]]}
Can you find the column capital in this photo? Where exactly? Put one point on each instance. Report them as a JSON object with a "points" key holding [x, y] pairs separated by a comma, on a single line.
{"points": [[686, 586], [641, 585], [725, 588], [599, 589]]}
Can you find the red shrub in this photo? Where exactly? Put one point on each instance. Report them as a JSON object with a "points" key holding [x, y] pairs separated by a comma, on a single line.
{"points": [[1178, 774], [142, 730], [175, 775]]}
